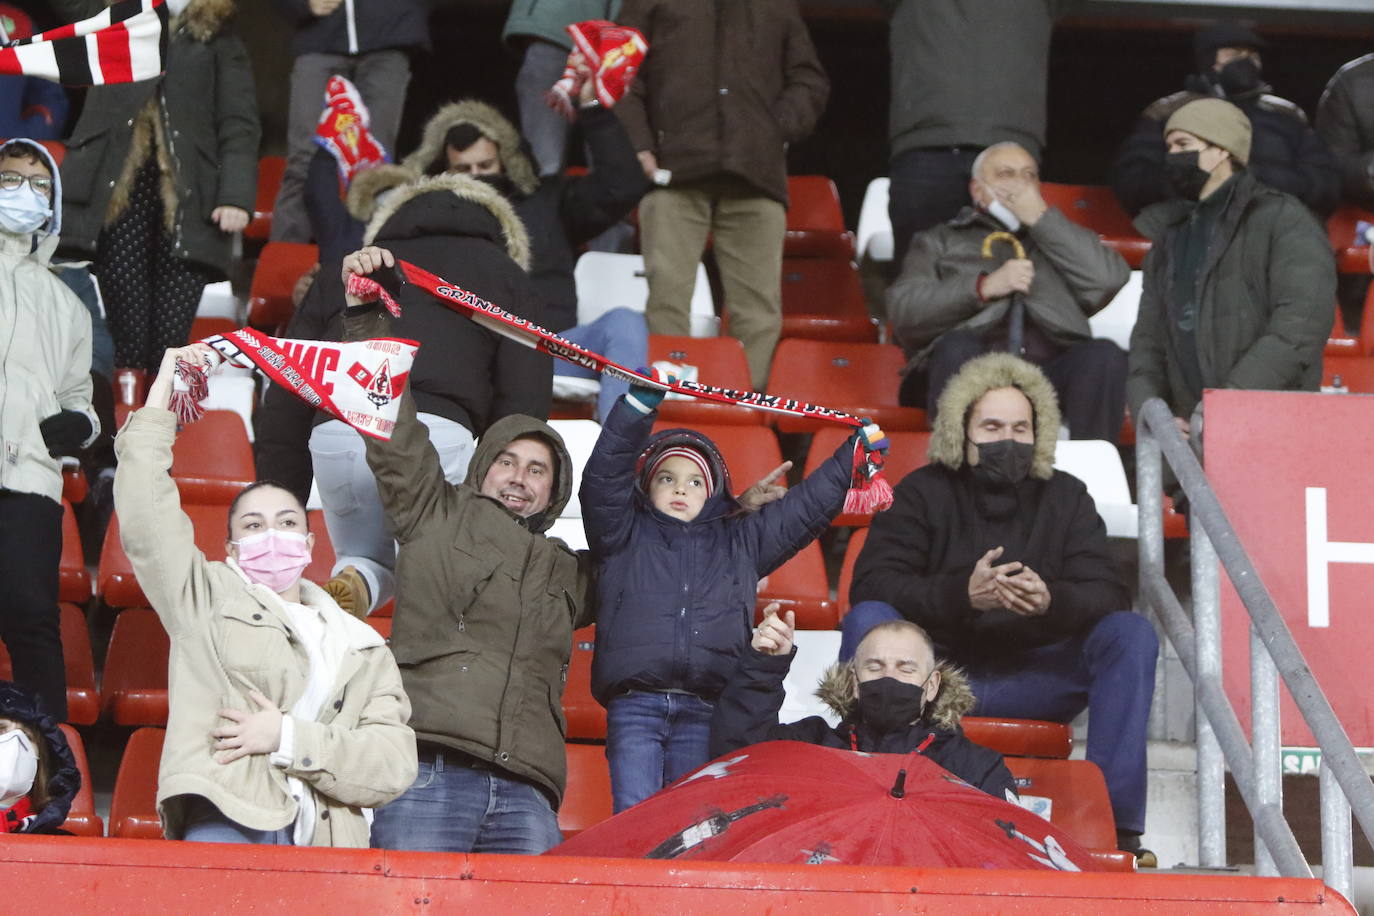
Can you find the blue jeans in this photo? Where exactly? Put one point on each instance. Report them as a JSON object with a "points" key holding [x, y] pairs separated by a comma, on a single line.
{"points": [[1109, 671], [652, 739], [453, 807], [621, 336], [206, 824]]}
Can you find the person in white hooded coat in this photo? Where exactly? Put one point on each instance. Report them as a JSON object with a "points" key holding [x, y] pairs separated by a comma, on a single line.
{"points": [[45, 412]]}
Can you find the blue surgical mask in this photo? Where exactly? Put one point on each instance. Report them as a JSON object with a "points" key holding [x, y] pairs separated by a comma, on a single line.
{"points": [[23, 211]]}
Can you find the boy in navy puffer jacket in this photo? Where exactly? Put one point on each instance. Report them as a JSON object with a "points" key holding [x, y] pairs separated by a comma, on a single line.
{"points": [[680, 562]]}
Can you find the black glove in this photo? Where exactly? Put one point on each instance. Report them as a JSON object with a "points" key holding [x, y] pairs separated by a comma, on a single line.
{"points": [[64, 432]]}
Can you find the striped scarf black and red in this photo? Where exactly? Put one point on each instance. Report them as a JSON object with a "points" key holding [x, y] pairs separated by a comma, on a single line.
{"points": [[124, 43]]}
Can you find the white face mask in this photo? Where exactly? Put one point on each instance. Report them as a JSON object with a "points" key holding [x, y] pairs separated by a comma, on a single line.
{"points": [[175, 7], [23, 211], [18, 767], [1003, 215]]}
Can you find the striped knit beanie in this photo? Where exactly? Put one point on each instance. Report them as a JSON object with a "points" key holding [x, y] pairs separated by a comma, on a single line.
{"points": [[692, 455]]}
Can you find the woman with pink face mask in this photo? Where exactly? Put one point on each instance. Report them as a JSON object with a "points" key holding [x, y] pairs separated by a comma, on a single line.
{"points": [[287, 721]]}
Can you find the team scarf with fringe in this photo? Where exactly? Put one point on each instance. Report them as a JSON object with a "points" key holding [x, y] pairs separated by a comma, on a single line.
{"points": [[359, 382], [612, 52], [123, 43], [869, 490]]}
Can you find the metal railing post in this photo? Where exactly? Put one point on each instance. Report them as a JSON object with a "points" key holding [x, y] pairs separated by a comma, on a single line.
{"points": [[1338, 866], [1265, 741], [1211, 765]]}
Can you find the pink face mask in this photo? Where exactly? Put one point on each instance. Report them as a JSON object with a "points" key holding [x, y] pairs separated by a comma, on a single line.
{"points": [[273, 558]]}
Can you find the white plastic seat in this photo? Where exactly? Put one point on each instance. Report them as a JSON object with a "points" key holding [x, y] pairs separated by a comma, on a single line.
{"points": [[874, 238], [1117, 319], [817, 650], [233, 392], [570, 531], [217, 301], [1098, 464], [606, 281], [580, 437]]}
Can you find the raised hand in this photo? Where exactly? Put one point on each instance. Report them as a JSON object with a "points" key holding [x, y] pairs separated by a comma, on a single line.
{"points": [[774, 635], [765, 491]]}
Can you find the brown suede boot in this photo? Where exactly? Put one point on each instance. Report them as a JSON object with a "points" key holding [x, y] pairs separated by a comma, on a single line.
{"points": [[349, 590]]}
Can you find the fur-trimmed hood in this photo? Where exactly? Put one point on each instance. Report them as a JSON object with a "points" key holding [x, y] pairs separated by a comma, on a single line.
{"points": [[505, 221], [368, 186], [203, 19], [954, 700], [491, 124], [979, 376]]}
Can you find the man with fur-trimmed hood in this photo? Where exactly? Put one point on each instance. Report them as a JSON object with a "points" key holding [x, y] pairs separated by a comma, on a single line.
{"points": [[891, 696], [1004, 561]]}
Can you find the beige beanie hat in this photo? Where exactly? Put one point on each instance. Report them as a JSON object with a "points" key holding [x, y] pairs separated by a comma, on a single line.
{"points": [[1216, 121]]}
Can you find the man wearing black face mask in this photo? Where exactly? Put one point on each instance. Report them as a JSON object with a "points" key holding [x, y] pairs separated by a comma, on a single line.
{"points": [[891, 698], [1240, 282], [1287, 154], [1004, 561]]}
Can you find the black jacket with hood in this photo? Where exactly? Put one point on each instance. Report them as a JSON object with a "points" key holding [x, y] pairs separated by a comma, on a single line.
{"points": [[358, 26], [467, 233], [747, 713], [1345, 120], [55, 759], [677, 598]]}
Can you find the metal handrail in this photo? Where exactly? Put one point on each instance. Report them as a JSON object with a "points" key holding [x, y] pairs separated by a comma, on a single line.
{"points": [[1158, 437]]}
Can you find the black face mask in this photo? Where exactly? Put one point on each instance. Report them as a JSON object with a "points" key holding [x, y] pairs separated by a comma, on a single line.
{"points": [[1239, 76], [1184, 175], [1003, 462], [887, 704], [500, 181]]}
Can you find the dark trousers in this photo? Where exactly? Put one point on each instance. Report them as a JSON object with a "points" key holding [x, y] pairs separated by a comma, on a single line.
{"points": [[30, 553], [1089, 377], [336, 231], [929, 186]]}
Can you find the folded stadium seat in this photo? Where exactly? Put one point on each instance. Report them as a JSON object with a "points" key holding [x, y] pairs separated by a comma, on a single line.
{"points": [[202, 328], [858, 378], [1116, 319], [874, 239], [83, 700], [73, 581], [230, 391], [1352, 374], [851, 554], [579, 436], [270, 171], [1077, 801], [81, 818], [74, 485], [800, 585], [1096, 207], [1341, 342], [133, 810], [750, 452], [322, 556], [1352, 254], [717, 361], [134, 687], [587, 798], [1175, 522], [823, 299], [586, 717], [906, 453], [606, 281], [815, 222], [212, 459], [1097, 463], [1020, 737], [279, 267]]}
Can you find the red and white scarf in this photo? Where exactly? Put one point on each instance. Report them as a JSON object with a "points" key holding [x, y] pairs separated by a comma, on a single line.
{"points": [[359, 382], [343, 130], [869, 490], [614, 54], [123, 43]]}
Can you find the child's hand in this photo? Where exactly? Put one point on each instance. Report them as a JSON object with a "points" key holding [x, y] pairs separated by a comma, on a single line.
{"points": [[774, 635], [765, 491], [644, 398]]}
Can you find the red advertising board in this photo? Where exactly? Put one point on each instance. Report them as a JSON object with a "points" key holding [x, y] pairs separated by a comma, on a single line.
{"points": [[1293, 472]]}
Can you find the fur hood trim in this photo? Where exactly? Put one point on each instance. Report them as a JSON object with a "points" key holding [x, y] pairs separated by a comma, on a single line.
{"points": [[979, 376], [492, 125], [203, 19], [370, 184], [464, 188], [952, 703]]}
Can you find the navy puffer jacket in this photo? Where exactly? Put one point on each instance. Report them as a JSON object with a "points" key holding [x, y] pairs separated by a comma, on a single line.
{"points": [[677, 598]]}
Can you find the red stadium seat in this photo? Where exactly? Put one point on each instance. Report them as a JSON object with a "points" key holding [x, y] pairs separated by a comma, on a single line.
{"points": [[74, 486], [1354, 373], [1341, 342], [815, 222], [81, 818], [750, 452], [1079, 804], [202, 328], [381, 624], [133, 810], [73, 581], [719, 362], [851, 554], [587, 798], [212, 459], [270, 171], [135, 682], [280, 265], [1096, 208], [906, 454], [586, 717], [858, 378], [1020, 737], [800, 585], [822, 299], [1352, 254], [83, 700]]}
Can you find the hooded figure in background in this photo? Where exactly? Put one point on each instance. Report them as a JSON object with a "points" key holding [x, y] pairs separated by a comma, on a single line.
{"points": [[1287, 154], [38, 774], [1003, 561]]}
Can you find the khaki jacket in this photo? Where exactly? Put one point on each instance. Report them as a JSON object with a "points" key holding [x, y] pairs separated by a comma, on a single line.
{"points": [[229, 636]]}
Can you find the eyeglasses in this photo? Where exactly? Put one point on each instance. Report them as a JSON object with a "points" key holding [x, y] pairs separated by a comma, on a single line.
{"points": [[9, 181]]}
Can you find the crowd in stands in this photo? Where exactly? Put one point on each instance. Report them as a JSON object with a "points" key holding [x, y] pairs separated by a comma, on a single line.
{"points": [[987, 588]]}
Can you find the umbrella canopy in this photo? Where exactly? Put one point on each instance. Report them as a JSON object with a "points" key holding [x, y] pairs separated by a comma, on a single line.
{"points": [[796, 803]]}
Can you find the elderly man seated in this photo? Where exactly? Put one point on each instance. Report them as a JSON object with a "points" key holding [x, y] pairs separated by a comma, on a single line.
{"points": [[891, 697], [1003, 560], [953, 302]]}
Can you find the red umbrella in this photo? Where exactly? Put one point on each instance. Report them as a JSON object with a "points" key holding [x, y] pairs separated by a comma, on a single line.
{"points": [[790, 802]]}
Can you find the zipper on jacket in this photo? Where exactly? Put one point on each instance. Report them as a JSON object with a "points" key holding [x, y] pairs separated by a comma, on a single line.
{"points": [[351, 19]]}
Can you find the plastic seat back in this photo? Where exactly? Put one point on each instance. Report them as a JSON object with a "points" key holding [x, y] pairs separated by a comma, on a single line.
{"points": [[800, 585], [133, 809], [586, 717], [815, 222], [83, 700], [717, 361], [270, 172], [1096, 207], [280, 265], [858, 378], [212, 459], [587, 798], [81, 818], [906, 453], [823, 299], [606, 281]]}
